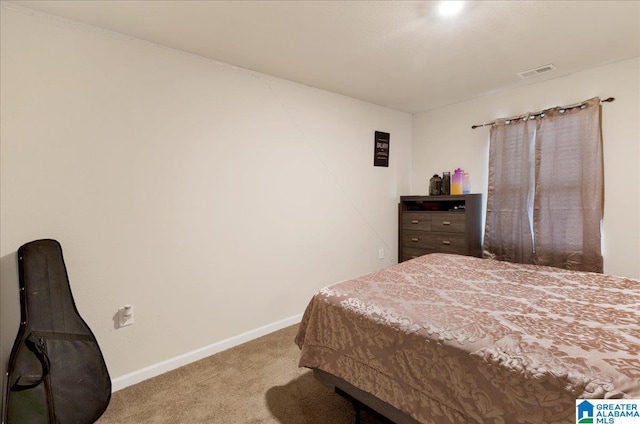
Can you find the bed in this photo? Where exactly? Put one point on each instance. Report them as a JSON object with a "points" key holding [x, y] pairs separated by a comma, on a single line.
{"points": [[446, 339]]}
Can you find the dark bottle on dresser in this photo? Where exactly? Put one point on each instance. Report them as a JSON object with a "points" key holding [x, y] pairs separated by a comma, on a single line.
{"points": [[446, 183]]}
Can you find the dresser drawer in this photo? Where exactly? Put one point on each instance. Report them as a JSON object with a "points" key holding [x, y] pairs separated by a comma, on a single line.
{"points": [[414, 252], [450, 243], [453, 222], [416, 221], [409, 253]]}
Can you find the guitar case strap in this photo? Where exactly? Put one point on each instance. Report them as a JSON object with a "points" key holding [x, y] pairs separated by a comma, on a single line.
{"points": [[56, 373]]}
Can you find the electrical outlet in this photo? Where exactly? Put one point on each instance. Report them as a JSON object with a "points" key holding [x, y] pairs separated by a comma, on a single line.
{"points": [[381, 253], [125, 316]]}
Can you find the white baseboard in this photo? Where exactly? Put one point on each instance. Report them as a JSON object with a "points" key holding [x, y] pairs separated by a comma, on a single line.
{"points": [[132, 378]]}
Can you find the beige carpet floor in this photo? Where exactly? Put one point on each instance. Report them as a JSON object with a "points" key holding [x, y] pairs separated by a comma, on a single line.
{"points": [[257, 382]]}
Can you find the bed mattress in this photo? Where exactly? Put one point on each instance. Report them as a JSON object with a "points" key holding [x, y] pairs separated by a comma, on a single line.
{"points": [[457, 339]]}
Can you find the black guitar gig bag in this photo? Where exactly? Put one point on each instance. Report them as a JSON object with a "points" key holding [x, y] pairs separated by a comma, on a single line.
{"points": [[56, 373]]}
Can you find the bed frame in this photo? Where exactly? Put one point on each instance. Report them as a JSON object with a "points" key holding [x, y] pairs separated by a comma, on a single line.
{"points": [[360, 398]]}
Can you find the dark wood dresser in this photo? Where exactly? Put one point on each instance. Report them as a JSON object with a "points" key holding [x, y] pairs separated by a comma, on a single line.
{"points": [[446, 224]]}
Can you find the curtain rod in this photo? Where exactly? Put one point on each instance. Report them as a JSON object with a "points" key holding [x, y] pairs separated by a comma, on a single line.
{"points": [[607, 100]]}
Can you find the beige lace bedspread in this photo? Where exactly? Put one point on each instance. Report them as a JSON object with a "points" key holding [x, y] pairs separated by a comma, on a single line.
{"points": [[457, 339]]}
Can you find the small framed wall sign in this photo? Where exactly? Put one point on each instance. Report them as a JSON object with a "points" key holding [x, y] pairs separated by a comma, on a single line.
{"points": [[381, 151]]}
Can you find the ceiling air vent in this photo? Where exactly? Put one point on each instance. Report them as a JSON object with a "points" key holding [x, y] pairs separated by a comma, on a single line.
{"points": [[537, 71]]}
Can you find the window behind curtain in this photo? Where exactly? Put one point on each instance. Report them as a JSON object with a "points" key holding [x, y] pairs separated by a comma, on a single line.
{"points": [[561, 153]]}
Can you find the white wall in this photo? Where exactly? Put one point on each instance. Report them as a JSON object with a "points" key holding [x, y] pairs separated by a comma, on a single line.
{"points": [[443, 140], [214, 199]]}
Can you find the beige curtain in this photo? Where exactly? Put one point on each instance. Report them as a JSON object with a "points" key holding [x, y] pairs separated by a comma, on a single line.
{"points": [[545, 195], [508, 228], [569, 188]]}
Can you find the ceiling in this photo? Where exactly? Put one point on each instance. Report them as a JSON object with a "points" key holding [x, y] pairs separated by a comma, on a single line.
{"points": [[399, 54]]}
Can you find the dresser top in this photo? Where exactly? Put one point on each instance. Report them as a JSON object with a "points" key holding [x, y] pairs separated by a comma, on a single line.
{"points": [[438, 198]]}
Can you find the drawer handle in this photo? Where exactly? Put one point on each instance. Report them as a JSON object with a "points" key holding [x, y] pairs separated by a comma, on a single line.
{"points": [[447, 242], [415, 221], [414, 239], [446, 222]]}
